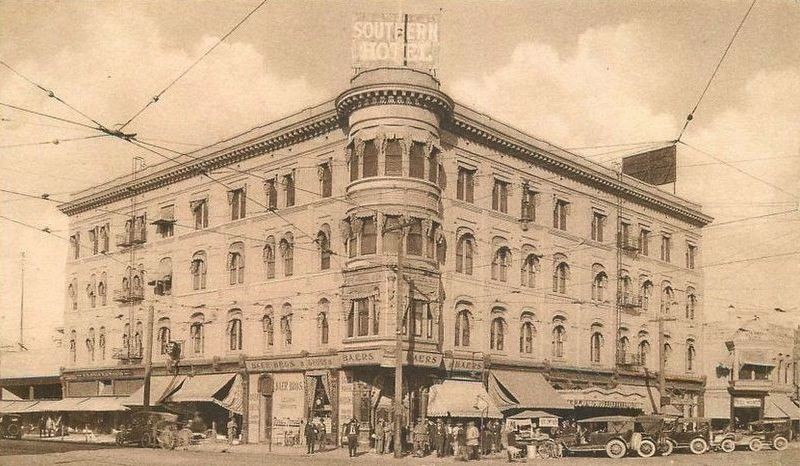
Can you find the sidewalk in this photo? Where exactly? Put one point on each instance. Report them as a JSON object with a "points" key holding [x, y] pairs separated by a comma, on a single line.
{"points": [[94, 439]]}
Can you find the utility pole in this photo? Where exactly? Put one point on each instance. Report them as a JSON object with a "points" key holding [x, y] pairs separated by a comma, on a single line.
{"points": [[22, 304], [398, 369], [148, 356], [662, 362]]}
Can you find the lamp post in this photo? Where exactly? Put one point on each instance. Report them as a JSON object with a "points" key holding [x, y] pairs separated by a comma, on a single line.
{"points": [[484, 413]]}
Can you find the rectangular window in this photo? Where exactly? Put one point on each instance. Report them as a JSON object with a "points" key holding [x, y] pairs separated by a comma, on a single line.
{"points": [[528, 213], [93, 240], [414, 238], [416, 160], [370, 159], [236, 199], [361, 311], [665, 247], [500, 196], [200, 213], [75, 245], [394, 158], [625, 234], [691, 252], [560, 214], [165, 226], [644, 242], [271, 192], [391, 235], [368, 236], [288, 186], [598, 226], [465, 186], [353, 164], [326, 179]]}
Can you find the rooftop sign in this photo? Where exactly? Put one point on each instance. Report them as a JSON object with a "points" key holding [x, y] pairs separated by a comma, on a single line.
{"points": [[386, 39]]}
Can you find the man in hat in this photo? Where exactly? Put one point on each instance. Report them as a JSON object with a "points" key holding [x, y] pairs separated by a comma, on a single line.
{"points": [[352, 437], [473, 437], [310, 434]]}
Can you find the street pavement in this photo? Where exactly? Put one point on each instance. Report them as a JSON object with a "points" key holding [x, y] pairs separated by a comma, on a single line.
{"points": [[22, 452]]}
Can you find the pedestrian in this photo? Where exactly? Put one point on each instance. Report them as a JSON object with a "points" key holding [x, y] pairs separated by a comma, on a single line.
{"points": [[322, 434], [388, 437], [461, 442], [379, 437], [310, 434], [441, 438], [473, 439], [419, 437], [42, 426], [231, 429], [352, 437], [50, 426]]}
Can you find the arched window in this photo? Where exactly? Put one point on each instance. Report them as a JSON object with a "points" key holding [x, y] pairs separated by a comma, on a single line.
{"points": [[137, 340], [126, 338], [667, 353], [464, 251], [646, 293], [498, 333], [234, 330], [599, 285], [268, 327], [559, 336], [690, 355], [667, 298], [91, 291], [287, 249], [560, 277], [414, 238], [370, 159], [352, 160], [529, 268], [462, 328], [73, 346], [625, 287], [286, 324], [72, 290], [268, 256], [322, 321], [101, 343], [596, 344], [501, 263], [416, 163], [197, 334], [526, 334], [324, 250], [644, 350], [236, 263], [102, 290], [394, 158], [163, 335], [90, 342], [691, 302], [624, 348], [198, 270]]}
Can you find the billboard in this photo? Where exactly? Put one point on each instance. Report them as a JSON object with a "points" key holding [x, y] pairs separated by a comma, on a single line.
{"points": [[387, 39], [654, 167]]}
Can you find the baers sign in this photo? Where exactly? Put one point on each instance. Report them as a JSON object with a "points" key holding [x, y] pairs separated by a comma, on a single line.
{"points": [[396, 40]]}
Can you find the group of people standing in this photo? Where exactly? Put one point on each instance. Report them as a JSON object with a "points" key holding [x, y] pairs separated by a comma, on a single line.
{"points": [[315, 435], [445, 437], [48, 426]]}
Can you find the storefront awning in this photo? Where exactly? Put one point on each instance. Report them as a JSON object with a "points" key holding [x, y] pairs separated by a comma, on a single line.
{"points": [[160, 388], [716, 407], [200, 388], [460, 398], [528, 414], [779, 405], [14, 406], [103, 404], [526, 390], [622, 397]]}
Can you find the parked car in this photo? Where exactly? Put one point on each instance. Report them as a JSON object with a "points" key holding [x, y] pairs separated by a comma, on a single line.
{"points": [[693, 433], [150, 429], [613, 435], [11, 426], [770, 432], [654, 428]]}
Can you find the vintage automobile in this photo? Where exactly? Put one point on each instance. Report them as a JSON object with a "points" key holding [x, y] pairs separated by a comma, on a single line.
{"points": [[150, 429], [767, 432], [654, 427], [613, 435], [693, 433], [10, 426]]}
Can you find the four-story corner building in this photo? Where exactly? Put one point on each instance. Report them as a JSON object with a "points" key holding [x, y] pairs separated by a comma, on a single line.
{"points": [[272, 260]]}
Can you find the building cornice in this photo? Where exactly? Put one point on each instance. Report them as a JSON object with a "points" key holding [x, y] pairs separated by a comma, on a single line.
{"points": [[475, 126]]}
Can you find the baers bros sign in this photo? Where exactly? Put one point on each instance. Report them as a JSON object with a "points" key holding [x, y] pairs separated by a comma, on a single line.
{"points": [[362, 357], [395, 40]]}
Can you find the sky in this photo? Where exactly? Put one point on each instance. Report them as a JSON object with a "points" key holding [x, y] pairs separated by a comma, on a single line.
{"points": [[576, 73]]}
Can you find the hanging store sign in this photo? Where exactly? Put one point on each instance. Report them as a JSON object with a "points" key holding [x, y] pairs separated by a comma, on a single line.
{"points": [[395, 40], [361, 357], [416, 358], [464, 365], [103, 374]]}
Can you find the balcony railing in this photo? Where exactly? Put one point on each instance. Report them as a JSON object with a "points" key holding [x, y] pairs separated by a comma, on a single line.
{"points": [[124, 354], [129, 295], [628, 244], [137, 236], [629, 301], [759, 385], [629, 359]]}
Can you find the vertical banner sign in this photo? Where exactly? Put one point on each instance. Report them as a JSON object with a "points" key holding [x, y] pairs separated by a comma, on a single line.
{"points": [[395, 40]]}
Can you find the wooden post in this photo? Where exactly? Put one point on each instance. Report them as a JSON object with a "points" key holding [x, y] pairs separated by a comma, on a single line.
{"points": [[148, 356]]}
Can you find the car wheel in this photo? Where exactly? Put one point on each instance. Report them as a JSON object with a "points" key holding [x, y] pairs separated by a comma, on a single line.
{"points": [[646, 449], [667, 448], [780, 443], [728, 445], [147, 441], [13, 431], [119, 439], [616, 449], [698, 446], [755, 444]]}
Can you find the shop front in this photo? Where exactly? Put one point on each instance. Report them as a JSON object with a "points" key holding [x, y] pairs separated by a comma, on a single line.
{"points": [[598, 401]]}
